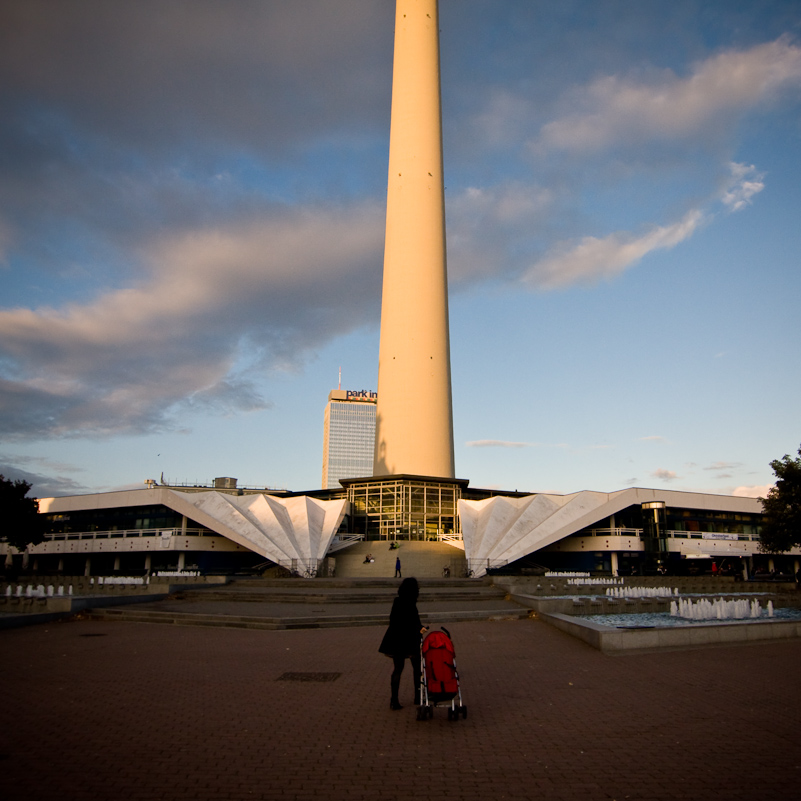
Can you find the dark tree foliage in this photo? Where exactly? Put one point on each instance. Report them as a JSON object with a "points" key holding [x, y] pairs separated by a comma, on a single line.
{"points": [[781, 526], [20, 522]]}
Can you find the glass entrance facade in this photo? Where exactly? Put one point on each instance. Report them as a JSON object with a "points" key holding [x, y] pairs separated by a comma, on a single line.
{"points": [[404, 508]]}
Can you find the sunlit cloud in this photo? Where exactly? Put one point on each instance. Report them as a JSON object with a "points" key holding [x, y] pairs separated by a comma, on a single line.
{"points": [[594, 258], [616, 110], [498, 443], [209, 300], [724, 466], [664, 475], [492, 229], [487, 224], [744, 184], [502, 443], [757, 491]]}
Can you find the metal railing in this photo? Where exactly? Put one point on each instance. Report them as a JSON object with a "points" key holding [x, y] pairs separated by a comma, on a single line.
{"points": [[302, 568], [723, 536], [477, 567], [131, 532], [613, 532], [342, 541], [638, 532]]}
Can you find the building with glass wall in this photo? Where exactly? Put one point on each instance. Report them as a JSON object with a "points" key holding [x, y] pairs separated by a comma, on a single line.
{"points": [[404, 507], [632, 531], [348, 435], [226, 528]]}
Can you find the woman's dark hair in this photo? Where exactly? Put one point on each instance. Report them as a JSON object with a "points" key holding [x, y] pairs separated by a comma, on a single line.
{"points": [[409, 589]]}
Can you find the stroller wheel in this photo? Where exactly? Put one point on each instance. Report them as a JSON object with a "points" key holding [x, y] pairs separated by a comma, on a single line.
{"points": [[463, 710], [453, 715]]}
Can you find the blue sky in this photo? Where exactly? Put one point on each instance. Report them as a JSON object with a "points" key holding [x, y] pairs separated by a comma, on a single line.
{"points": [[191, 231]]}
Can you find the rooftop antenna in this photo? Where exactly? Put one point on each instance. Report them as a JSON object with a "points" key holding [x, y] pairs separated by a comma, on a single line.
{"points": [[340, 377]]}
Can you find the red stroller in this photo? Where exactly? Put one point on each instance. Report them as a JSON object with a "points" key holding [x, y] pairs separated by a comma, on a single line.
{"points": [[439, 684]]}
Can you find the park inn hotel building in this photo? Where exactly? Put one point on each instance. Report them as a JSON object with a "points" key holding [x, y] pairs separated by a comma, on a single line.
{"points": [[348, 435]]}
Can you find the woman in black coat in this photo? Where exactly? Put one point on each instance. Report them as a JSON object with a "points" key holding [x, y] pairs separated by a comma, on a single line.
{"points": [[402, 640]]}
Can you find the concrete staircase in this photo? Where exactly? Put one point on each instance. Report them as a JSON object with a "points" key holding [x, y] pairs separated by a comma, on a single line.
{"points": [[319, 603], [342, 591], [419, 559]]}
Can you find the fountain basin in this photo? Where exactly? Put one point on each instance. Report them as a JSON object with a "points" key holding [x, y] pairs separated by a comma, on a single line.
{"points": [[653, 631]]}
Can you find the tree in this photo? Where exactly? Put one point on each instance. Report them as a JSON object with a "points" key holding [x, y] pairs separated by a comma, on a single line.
{"points": [[781, 524], [20, 522]]}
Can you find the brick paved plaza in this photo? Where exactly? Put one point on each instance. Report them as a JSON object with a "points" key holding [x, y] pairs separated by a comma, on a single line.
{"points": [[114, 710]]}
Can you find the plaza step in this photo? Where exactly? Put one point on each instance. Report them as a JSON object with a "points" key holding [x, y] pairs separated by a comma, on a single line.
{"points": [[335, 591], [319, 603], [419, 559], [314, 621]]}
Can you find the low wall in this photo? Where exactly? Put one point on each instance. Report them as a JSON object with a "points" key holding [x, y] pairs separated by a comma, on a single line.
{"points": [[24, 611], [29, 611], [587, 606], [544, 586], [100, 585]]}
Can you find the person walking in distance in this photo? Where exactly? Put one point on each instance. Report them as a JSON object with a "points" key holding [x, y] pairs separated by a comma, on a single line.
{"points": [[398, 568], [402, 639]]}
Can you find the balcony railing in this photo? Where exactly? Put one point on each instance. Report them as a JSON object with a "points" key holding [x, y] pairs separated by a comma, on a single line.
{"points": [[612, 532], [723, 536], [132, 532]]}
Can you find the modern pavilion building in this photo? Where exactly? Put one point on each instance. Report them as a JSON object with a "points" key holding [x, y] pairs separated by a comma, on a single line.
{"points": [[225, 528]]}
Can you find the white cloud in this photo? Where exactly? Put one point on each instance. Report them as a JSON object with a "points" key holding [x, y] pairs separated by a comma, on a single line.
{"points": [[498, 443], [264, 292], [664, 475], [745, 182], [502, 443], [699, 110], [757, 491], [614, 109], [598, 258], [504, 118], [653, 438], [484, 222]]}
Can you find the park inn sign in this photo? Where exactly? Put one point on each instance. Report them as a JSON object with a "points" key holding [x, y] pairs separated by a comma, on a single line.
{"points": [[361, 395]]}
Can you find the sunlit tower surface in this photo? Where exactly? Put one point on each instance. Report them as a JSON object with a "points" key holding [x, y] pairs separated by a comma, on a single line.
{"points": [[414, 419]]}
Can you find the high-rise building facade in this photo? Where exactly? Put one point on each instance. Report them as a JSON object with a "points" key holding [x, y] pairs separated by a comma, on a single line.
{"points": [[348, 435]]}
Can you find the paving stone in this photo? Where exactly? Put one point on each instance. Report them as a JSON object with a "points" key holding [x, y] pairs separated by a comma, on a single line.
{"points": [[147, 712]]}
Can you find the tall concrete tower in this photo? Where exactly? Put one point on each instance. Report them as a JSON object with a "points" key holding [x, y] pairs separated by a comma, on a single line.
{"points": [[414, 418]]}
